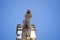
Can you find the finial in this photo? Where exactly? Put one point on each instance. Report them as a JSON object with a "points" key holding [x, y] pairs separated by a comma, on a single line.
{"points": [[28, 11]]}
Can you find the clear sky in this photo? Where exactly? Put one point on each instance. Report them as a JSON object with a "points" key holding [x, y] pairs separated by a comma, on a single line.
{"points": [[46, 17]]}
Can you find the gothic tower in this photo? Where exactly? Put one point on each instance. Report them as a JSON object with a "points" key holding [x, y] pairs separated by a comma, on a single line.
{"points": [[26, 31]]}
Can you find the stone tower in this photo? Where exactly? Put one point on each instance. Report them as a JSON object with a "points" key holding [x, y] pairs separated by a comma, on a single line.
{"points": [[26, 31]]}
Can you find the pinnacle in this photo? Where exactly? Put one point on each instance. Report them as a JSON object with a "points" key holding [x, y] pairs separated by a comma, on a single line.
{"points": [[28, 11]]}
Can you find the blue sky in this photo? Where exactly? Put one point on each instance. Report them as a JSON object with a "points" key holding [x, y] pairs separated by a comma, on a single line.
{"points": [[46, 17]]}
